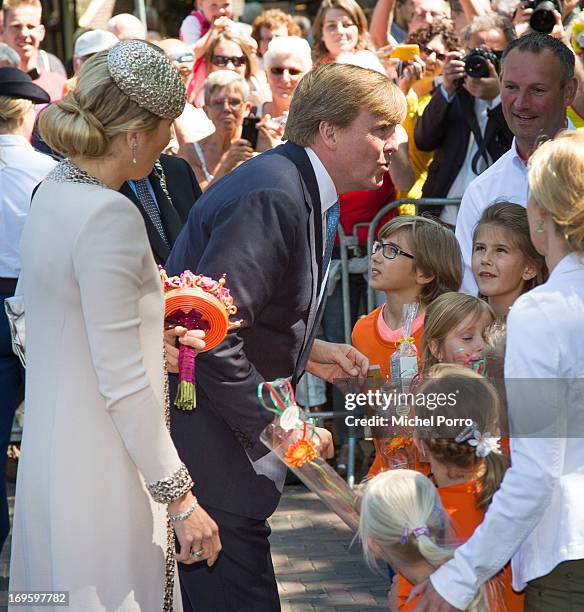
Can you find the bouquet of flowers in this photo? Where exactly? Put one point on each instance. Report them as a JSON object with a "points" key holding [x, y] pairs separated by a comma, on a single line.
{"points": [[291, 436], [196, 302]]}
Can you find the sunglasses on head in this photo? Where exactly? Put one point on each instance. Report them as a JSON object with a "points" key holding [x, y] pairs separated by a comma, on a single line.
{"points": [[280, 71], [223, 60], [428, 51]]}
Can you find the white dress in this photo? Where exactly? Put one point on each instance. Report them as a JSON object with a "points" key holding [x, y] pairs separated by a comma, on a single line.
{"points": [[94, 429]]}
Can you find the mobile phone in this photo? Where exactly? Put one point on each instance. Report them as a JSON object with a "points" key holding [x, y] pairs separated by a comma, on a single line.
{"points": [[249, 130], [405, 53]]}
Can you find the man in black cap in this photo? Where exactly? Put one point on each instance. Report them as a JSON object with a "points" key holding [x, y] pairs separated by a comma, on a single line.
{"points": [[21, 169]]}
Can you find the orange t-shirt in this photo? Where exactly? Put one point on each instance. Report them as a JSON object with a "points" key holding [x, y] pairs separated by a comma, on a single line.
{"points": [[460, 501], [377, 342]]}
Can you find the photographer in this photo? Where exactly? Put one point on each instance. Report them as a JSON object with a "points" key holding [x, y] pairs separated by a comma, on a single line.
{"points": [[463, 123]]}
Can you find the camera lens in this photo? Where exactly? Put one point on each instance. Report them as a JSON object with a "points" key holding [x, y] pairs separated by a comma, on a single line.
{"points": [[543, 19], [476, 66]]}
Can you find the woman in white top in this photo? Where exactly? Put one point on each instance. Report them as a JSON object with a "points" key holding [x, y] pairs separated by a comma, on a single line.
{"points": [[536, 517], [21, 169], [99, 473]]}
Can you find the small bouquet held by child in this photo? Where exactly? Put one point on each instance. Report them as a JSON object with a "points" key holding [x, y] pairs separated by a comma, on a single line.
{"points": [[195, 301], [292, 437]]}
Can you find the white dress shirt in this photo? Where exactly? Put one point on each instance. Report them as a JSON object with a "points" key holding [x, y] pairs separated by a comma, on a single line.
{"points": [[328, 197], [21, 170], [466, 174], [505, 180], [536, 517]]}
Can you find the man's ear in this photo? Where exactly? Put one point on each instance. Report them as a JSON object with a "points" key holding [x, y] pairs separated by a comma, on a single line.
{"points": [[329, 134], [422, 278], [42, 32]]}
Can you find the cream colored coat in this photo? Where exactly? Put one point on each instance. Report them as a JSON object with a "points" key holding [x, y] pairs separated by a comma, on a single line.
{"points": [[94, 429]]}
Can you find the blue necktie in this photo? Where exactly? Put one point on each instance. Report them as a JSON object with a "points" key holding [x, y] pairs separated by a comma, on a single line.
{"points": [[150, 207], [332, 222]]}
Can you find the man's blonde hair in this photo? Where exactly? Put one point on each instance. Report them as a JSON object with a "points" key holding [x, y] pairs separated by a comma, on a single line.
{"points": [[336, 93], [10, 5], [556, 180]]}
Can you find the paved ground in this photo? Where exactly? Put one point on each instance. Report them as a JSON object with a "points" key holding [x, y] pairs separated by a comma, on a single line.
{"points": [[315, 568]]}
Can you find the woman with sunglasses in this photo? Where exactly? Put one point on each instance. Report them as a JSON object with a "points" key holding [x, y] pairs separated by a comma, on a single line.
{"points": [[418, 81], [286, 61]]}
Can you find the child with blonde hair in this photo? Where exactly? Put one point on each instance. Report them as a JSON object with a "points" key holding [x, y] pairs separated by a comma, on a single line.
{"points": [[454, 331], [467, 466], [415, 259], [505, 263]]}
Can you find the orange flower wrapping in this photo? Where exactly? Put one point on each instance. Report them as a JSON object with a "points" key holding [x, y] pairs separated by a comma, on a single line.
{"points": [[196, 302], [300, 452], [397, 443]]}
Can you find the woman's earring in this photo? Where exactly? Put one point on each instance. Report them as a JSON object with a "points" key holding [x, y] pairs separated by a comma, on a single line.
{"points": [[540, 228], [134, 149]]}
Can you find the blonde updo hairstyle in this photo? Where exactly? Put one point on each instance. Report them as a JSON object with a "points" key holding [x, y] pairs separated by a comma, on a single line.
{"points": [[394, 504], [556, 180], [12, 113], [84, 122]]}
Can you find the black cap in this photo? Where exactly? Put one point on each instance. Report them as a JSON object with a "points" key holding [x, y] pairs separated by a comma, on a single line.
{"points": [[17, 84]]}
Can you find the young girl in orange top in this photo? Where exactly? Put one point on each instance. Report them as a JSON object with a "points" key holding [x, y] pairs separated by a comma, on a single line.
{"points": [[415, 259], [454, 330], [468, 467]]}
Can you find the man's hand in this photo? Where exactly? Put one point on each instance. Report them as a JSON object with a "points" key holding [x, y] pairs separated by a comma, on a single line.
{"points": [[329, 361], [327, 448], [431, 600], [453, 71], [486, 88]]}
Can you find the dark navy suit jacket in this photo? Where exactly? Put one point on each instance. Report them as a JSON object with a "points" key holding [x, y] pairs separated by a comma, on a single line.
{"points": [[262, 226]]}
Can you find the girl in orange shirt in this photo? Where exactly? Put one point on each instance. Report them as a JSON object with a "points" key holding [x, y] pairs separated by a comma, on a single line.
{"points": [[468, 467]]}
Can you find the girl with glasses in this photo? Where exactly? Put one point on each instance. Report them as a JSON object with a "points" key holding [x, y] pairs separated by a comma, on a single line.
{"points": [[415, 259]]}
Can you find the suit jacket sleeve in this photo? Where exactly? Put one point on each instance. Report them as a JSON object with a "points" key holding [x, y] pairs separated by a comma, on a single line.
{"points": [[251, 239], [430, 130]]}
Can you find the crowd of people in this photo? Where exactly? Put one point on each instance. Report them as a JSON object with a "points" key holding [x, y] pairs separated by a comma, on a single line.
{"points": [[240, 149]]}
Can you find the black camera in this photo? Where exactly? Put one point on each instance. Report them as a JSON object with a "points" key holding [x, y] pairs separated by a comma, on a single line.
{"points": [[476, 63], [542, 18]]}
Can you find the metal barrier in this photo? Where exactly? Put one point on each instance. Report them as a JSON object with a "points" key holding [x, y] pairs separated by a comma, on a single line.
{"points": [[347, 242]]}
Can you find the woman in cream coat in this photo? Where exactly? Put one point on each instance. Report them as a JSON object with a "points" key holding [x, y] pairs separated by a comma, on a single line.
{"points": [[98, 470]]}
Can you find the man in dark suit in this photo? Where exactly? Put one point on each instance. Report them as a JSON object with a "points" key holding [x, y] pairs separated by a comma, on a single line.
{"points": [[164, 198], [463, 123], [269, 225]]}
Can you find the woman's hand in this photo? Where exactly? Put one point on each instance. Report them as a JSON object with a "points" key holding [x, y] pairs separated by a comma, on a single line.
{"points": [[198, 533], [190, 337], [413, 71], [238, 152], [270, 133]]}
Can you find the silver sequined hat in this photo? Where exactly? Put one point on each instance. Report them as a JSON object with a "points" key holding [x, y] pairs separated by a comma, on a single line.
{"points": [[145, 75]]}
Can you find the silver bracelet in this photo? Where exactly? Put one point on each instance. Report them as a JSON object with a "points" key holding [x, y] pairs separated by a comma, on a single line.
{"points": [[181, 516]]}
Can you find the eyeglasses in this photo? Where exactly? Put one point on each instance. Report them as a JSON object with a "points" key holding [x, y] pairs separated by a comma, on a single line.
{"points": [[389, 250], [428, 51], [233, 103], [223, 60], [277, 71]]}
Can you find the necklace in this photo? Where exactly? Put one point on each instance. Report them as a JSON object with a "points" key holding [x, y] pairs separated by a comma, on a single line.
{"points": [[67, 172]]}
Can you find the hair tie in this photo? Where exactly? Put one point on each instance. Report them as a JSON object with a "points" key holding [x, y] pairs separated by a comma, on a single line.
{"points": [[484, 444], [417, 532]]}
